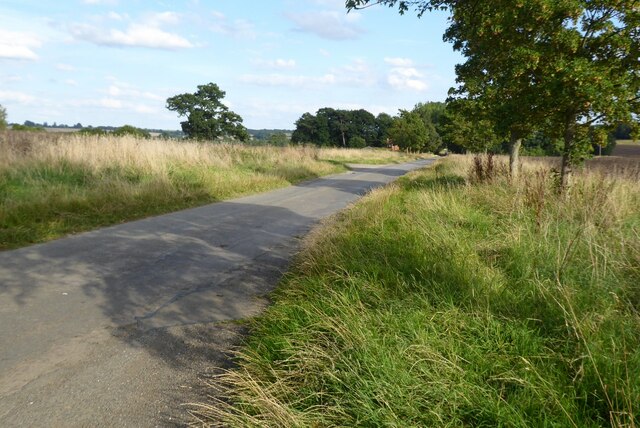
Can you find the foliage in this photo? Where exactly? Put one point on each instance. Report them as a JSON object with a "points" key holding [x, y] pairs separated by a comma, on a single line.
{"points": [[435, 303], [334, 127], [92, 131], [557, 67], [3, 118], [265, 134], [331, 127], [539, 144], [410, 132], [207, 117], [623, 132], [357, 142], [383, 123], [18, 127], [128, 130], [279, 139], [463, 127]]}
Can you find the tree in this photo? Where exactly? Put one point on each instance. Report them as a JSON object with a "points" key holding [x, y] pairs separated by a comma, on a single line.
{"points": [[555, 66], [3, 118], [311, 129], [131, 131], [364, 126], [357, 142], [409, 131], [93, 131], [334, 127], [207, 117], [463, 126], [279, 139], [383, 123]]}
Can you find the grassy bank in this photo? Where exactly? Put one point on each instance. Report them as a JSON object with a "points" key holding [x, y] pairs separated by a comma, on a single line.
{"points": [[52, 185], [445, 301]]}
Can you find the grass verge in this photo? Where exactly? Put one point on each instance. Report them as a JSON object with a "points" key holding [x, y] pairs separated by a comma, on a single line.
{"points": [[52, 185], [445, 301]]}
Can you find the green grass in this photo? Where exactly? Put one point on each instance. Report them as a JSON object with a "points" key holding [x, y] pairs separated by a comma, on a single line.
{"points": [[443, 302], [51, 187]]}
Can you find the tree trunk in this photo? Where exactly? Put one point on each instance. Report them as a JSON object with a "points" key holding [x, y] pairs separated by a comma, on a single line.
{"points": [[514, 156], [565, 173], [567, 162]]}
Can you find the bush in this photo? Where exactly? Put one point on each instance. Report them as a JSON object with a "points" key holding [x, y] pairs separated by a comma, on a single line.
{"points": [[132, 131], [357, 142], [27, 128], [92, 131]]}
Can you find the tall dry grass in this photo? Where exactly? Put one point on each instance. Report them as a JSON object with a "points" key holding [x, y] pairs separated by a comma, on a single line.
{"points": [[452, 300], [54, 184]]}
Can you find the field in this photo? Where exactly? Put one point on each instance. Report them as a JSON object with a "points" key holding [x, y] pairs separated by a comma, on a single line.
{"points": [[55, 184], [627, 148], [454, 298]]}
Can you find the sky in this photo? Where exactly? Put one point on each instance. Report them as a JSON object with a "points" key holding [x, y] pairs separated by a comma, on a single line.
{"points": [[115, 62]]}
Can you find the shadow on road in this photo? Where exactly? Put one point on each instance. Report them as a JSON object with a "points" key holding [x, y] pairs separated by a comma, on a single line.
{"points": [[166, 283]]}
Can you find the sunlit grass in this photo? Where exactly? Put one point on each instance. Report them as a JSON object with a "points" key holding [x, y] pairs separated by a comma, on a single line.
{"points": [[447, 301], [52, 185]]}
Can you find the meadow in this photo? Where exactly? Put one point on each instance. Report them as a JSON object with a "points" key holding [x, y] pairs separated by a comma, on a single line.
{"points": [[52, 185], [627, 148], [454, 298]]}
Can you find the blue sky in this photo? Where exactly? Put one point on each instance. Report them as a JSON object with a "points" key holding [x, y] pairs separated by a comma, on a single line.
{"points": [[115, 62]]}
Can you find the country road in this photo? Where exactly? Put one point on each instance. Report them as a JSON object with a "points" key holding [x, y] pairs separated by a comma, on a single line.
{"points": [[117, 327]]}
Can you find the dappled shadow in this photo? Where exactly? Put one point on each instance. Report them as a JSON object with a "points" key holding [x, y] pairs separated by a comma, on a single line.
{"points": [[165, 283]]}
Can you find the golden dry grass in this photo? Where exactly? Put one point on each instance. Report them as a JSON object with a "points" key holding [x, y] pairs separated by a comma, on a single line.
{"points": [[443, 300], [54, 184]]}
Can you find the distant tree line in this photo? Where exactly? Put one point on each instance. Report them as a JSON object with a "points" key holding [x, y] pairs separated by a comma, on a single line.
{"points": [[419, 129], [433, 127]]}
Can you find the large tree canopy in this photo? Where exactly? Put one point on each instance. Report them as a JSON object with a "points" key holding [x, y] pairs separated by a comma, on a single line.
{"points": [[556, 66], [207, 117], [413, 130], [334, 127]]}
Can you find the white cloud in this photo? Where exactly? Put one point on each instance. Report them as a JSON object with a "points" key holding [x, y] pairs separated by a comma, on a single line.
{"points": [[116, 16], [119, 89], [71, 82], [161, 18], [276, 63], [17, 97], [144, 109], [358, 73], [147, 34], [330, 25], [399, 62], [18, 45], [404, 75], [111, 103], [289, 80], [238, 29]]}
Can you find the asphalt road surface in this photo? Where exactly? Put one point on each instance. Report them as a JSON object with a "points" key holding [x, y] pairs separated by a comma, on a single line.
{"points": [[119, 326]]}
